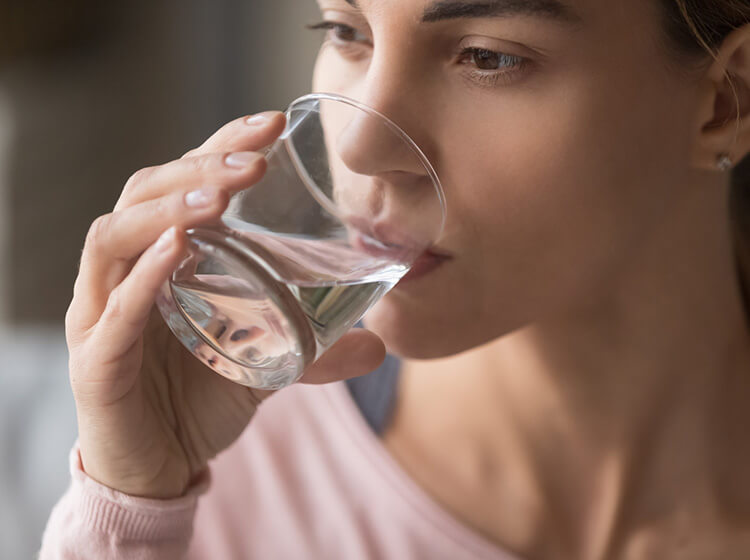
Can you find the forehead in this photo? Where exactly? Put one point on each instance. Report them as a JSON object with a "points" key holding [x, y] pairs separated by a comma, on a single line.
{"points": [[604, 20], [437, 10]]}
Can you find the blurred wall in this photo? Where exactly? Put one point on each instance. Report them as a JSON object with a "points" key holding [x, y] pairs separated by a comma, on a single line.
{"points": [[6, 134], [150, 81], [90, 92]]}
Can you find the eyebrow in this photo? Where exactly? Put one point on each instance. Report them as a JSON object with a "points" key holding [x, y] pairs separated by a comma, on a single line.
{"points": [[461, 9]]}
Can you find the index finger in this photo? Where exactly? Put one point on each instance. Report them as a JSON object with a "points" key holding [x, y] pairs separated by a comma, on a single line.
{"points": [[246, 134]]}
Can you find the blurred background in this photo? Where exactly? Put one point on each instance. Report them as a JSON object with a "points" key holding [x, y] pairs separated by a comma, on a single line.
{"points": [[90, 92]]}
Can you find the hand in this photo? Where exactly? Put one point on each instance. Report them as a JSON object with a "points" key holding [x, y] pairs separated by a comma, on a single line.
{"points": [[150, 415]]}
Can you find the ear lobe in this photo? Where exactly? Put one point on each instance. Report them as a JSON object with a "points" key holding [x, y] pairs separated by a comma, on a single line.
{"points": [[725, 98]]}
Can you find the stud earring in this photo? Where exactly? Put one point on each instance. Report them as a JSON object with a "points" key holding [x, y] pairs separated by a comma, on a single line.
{"points": [[724, 162]]}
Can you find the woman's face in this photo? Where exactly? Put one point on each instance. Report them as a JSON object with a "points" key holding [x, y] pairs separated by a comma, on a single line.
{"points": [[560, 133]]}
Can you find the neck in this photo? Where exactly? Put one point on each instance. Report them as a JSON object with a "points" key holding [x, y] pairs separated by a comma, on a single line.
{"points": [[595, 418]]}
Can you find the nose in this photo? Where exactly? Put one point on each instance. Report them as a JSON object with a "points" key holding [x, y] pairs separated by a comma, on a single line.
{"points": [[383, 182], [382, 177], [371, 145]]}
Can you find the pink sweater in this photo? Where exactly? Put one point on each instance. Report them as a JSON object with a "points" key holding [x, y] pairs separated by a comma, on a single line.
{"points": [[307, 479]]}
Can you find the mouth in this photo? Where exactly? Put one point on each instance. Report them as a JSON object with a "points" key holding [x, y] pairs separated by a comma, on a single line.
{"points": [[423, 262], [385, 235]]}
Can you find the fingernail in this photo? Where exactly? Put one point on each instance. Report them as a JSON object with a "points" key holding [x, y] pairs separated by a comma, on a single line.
{"points": [[200, 198], [257, 120], [241, 160], [165, 241]]}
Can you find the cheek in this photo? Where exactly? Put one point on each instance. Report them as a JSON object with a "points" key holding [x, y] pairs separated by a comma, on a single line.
{"points": [[333, 74], [565, 185], [550, 194], [547, 203]]}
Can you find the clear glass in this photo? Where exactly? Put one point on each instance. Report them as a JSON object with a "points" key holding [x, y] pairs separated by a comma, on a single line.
{"points": [[347, 205]]}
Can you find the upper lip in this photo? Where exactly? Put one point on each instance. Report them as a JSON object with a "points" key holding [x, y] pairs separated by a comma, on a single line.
{"points": [[391, 236]]}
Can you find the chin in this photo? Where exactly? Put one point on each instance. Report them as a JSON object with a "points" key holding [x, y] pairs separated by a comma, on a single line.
{"points": [[413, 330]]}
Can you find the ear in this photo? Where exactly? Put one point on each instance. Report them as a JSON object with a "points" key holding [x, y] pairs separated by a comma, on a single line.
{"points": [[725, 95]]}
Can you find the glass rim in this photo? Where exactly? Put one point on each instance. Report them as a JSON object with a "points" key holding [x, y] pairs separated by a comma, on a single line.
{"points": [[432, 174]]}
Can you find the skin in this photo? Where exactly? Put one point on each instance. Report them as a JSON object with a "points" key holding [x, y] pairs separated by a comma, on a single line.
{"points": [[576, 371], [150, 415]]}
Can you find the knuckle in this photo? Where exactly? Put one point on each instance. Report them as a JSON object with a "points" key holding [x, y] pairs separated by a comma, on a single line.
{"points": [[71, 320], [99, 231], [191, 153], [114, 304], [79, 289], [119, 314], [167, 207], [226, 129], [217, 139], [202, 164], [75, 330], [138, 178]]}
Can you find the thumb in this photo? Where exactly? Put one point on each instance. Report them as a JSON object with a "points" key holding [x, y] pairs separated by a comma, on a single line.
{"points": [[356, 353]]}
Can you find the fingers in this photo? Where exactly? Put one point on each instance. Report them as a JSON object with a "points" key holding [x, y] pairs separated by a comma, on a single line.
{"points": [[356, 353], [233, 170], [246, 134], [116, 240], [129, 305], [173, 194], [227, 155], [126, 234]]}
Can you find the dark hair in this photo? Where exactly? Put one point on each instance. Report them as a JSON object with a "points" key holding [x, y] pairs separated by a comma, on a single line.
{"points": [[697, 28]]}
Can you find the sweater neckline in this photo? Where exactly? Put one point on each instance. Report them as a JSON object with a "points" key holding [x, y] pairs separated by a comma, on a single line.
{"points": [[404, 488]]}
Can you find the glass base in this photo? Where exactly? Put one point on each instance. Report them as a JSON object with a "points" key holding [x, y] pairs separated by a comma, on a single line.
{"points": [[228, 307]]}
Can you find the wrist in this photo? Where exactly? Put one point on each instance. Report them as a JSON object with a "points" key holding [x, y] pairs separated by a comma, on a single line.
{"points": [[107, 511], [153, 492], [140, 481]]}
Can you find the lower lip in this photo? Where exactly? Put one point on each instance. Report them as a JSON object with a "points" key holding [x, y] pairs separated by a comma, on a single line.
{"points": [[422, 267]]}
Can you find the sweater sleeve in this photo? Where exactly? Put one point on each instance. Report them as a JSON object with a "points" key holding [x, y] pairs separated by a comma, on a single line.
{"points": [[92, 521]]}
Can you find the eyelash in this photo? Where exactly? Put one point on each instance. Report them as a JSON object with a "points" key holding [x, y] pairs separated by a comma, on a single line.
{"points": [[333, 29], [514, 66], [484, 77]]}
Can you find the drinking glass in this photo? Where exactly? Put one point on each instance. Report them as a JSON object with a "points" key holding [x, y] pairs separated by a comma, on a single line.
{"points": [[348, 203]]}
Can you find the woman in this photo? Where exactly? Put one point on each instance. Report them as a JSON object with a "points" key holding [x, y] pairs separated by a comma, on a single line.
{"points": [[573, 378]]}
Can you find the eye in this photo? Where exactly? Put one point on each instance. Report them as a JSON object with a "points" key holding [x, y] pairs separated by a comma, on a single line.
{"points": [[488, 60], [341, 32], [488, 68]]}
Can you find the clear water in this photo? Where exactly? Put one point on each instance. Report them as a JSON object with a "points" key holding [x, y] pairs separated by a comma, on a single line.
{"points": [[263, 329]]}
